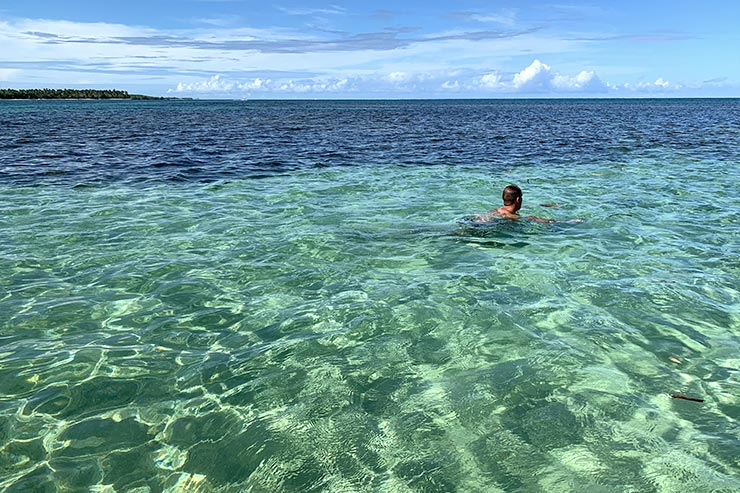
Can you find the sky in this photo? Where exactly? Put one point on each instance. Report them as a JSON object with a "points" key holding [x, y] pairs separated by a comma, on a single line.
{"points": [[314, 49]]}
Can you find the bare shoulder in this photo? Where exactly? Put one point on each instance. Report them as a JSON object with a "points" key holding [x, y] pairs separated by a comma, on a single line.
{"points": [[492, 215], [508, 215], [483, 218]]}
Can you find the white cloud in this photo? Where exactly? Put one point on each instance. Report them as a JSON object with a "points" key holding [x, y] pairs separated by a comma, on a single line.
{"points": [[309, 86], [584, 81], [397, 77], [219, 47], [491, 81], [256, 84], [660, 85], [216, 84], [539, 77], [338, 85], [288, 60], [536, 77]]}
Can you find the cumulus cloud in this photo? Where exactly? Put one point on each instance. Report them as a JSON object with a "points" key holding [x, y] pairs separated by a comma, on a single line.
{"points": [[311, 86], [218, 85], [397, 77], [407, 81], [660, 85], [586, 81], [539, 77], [472, 57], [491, 81], [256, 84]]}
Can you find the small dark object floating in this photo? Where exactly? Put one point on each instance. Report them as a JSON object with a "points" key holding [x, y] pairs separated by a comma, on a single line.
{"points": [[692, 399]]}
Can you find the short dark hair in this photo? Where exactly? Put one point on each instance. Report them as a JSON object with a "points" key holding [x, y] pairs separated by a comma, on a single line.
{"points": [[511, 193]]}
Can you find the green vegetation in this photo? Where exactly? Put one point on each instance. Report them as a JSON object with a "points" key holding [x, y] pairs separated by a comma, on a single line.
{"points": [[70, 94]]}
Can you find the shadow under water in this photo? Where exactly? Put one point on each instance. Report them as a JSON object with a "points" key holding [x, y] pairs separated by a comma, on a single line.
{"points": [[500, 233]]}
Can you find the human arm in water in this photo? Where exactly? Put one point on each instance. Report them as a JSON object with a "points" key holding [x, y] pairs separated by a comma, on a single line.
{"points": [[540, 219]]}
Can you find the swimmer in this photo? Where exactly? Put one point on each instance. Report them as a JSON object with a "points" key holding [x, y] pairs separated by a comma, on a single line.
{"points": [[512, 197]]}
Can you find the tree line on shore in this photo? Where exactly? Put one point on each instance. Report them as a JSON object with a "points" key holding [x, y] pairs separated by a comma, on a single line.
{"points": [[69, 94]]}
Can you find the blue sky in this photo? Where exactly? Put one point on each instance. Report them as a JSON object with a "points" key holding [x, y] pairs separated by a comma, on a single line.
{"points": [[382, 49]]}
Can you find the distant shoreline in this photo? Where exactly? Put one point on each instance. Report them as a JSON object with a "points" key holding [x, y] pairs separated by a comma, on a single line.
{"points": [[77, 94], [152, 98]]}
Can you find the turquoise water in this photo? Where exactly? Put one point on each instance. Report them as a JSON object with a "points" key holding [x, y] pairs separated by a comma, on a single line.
{"points": [[345, 329]]}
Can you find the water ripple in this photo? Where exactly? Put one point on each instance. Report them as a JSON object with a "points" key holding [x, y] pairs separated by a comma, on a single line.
{"points": [[337, 324]]}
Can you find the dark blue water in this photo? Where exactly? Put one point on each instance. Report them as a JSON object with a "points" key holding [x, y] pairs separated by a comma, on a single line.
{"points": [[96, 142]]}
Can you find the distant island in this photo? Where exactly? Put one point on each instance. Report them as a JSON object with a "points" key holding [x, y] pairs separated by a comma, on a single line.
{"points": [[74, 94]]}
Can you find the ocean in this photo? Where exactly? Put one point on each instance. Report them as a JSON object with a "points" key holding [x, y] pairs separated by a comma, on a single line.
{"points": [[290, 296]]}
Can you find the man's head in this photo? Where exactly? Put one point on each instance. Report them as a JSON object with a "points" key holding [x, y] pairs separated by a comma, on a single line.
{"points": [[512, 196]]}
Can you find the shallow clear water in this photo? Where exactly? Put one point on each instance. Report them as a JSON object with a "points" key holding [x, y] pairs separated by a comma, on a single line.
{"points": [[331, 322]]}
